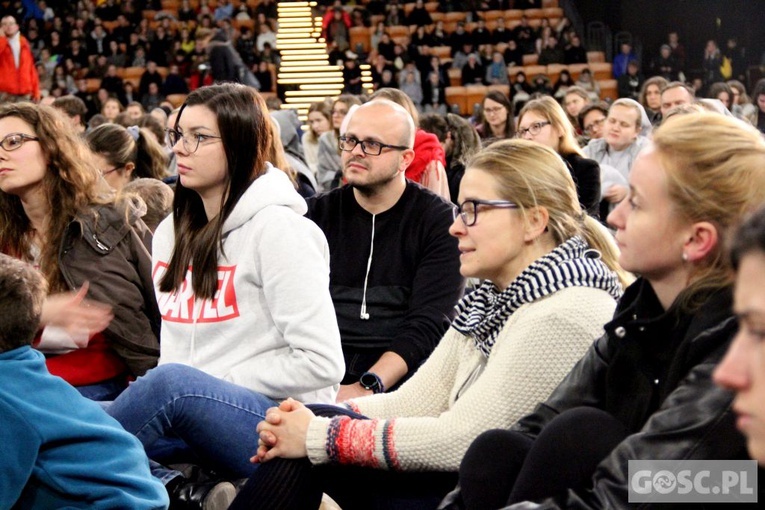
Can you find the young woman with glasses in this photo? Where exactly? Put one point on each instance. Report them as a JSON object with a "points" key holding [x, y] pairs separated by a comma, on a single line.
{"points": [[497, 121], [242, 282], [100, 323], [520, 228], [543, 120], [123, 154], [329, 167]]}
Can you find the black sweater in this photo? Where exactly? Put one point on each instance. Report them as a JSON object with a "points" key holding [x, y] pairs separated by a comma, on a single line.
{"points": [[414, 280]]}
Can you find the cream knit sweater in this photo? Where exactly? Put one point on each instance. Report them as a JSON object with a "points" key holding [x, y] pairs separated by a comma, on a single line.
{"points": [[428, 423]]}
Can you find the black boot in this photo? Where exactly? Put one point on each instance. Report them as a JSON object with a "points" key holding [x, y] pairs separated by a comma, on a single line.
{"points": [[186, 494]]}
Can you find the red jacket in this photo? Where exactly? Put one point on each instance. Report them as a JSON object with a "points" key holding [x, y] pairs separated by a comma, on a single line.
{"points": [[23, 80], [426, 149]]}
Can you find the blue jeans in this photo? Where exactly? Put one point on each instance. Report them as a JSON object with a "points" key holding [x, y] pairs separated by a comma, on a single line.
{"points": [[106, 390], [214, 418]]}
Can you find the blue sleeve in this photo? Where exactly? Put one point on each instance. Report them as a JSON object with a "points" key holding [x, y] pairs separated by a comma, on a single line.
{"points": [[21, 445]]}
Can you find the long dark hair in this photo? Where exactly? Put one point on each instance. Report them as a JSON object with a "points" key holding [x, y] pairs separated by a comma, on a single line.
{"points": [[246, 136]]}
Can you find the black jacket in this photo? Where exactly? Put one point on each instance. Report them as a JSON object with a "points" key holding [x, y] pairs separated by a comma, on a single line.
{"points": [[586, 174], [652, 370], [111, 252]]}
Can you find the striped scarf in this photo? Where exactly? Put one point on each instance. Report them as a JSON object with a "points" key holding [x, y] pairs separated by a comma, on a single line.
{"points": [[483, 313]]}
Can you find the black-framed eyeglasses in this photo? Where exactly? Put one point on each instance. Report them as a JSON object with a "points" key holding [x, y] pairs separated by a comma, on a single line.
{"points": [[598, 122], [191, 141], [533, 129], [468, 210], [368, 147], [13, 141]]}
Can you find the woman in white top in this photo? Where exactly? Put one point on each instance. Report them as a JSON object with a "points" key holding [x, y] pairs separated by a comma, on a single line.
{"points": [[242, 283]]}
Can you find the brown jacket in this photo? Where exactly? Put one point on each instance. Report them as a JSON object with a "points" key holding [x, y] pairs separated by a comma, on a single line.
{"points": [[110, 249]]}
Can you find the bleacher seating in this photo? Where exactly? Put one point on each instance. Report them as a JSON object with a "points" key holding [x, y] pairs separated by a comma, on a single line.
{"points": [[360, 35], [464, 97], [457, 96]]}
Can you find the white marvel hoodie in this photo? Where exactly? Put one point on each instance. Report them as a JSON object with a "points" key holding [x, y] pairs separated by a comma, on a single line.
{"points": [[271, 327]]}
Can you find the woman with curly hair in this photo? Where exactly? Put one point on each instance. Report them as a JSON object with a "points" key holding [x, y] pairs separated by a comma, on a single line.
{"points": [[57, 213]]}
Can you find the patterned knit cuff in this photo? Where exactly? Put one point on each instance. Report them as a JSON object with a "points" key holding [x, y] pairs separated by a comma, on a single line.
{"points": [[361, 443], [316, 440]]}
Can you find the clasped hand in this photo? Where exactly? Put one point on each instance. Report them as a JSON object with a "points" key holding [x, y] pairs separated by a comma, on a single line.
{"points": [[283, 432]]}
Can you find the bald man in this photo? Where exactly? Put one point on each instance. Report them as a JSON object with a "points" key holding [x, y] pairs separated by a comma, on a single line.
{"points": [[394, 269]]}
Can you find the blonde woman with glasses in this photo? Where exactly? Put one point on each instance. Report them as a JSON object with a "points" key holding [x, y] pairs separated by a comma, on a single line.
{"points": [[544, 121]]}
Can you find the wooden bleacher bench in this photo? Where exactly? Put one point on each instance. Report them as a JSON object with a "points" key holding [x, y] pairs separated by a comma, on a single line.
{"points": [[504, 89], [609, 89], [513, 14], [455, 16], [176, 99], [241, 23], [601, 70], [532, 71], [576, 70], [457, 95], [534, 13], [493, 15], [474, 95], [441, 52], [437, 16], [596, 56], [360, 35], [552, 12], [554, 70], [455, 76]]}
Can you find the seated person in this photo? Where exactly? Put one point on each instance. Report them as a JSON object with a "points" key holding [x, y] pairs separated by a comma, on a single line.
{"points": [[394, 269], [242, 282], [60, 450], [743, 368], [520, 229], [620, 145]]}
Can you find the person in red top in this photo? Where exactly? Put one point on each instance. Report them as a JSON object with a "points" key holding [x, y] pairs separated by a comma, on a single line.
{"points": [[428, 165], [18, 75], [100, 322]]}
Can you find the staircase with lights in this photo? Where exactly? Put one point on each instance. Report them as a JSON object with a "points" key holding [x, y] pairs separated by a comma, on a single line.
{"points": [[304, 59]]}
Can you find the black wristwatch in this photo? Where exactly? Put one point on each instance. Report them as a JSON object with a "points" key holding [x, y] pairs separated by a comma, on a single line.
{"points": [[371, 381]]}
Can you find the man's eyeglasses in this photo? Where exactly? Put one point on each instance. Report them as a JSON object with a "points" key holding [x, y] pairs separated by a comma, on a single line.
{"points": [[191, 141], [533, 129], [14, 141], [594, 123], [468, 210], [368, 147]]}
